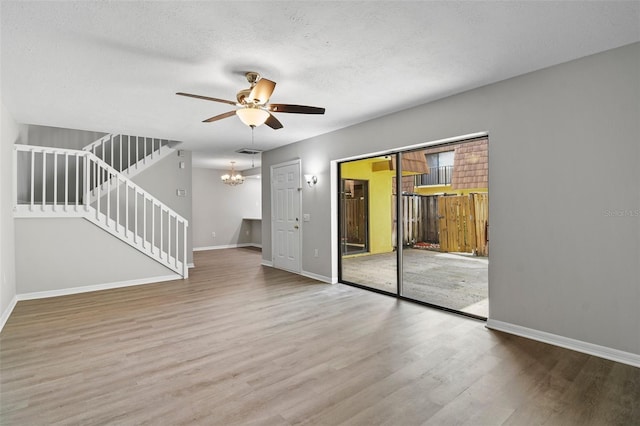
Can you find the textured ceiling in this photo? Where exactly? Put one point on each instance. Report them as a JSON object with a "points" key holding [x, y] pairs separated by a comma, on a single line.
{"points": [[115, 66]]}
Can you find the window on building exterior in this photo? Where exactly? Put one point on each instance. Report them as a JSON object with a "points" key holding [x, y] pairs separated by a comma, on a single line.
{"points": [[440, 169]]}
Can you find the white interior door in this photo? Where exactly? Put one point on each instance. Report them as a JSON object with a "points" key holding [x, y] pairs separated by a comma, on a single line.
{"points": [[285, 215]]}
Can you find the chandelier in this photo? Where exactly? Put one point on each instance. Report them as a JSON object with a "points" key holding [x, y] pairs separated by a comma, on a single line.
{"points": [[232, 178]]}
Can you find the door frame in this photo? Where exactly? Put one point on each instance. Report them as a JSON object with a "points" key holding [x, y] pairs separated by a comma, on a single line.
{"points": [[336, 178], [297, 162], [343, 211]]}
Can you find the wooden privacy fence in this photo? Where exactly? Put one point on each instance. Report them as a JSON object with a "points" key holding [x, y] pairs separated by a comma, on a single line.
{"points": [[463, 223], [420, 218]]}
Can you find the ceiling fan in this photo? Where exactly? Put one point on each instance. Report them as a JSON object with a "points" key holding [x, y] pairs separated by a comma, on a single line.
{"points": [[253, 108]]}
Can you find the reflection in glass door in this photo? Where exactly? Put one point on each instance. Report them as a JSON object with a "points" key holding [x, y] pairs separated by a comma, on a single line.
{"points": [[367, 254], [355, 216]]}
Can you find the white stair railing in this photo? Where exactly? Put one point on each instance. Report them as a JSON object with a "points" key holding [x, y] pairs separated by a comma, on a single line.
{"points": [[55, 182], [124, 152]]}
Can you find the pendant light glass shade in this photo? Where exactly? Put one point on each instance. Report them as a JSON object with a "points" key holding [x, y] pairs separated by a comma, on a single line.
{"points": [[252, 117]]}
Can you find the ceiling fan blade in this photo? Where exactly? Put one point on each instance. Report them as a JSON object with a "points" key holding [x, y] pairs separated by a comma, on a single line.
{"points": [[262, 91], [296, 109], [207, 98], [219, 117], [273, 122]]}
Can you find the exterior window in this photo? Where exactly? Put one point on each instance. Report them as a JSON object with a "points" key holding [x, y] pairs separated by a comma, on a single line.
{"points": [[440, 169]]}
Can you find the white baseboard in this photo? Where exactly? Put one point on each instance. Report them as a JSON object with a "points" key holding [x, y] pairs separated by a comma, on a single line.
{"points": [[566, 342], [226, 246], [191, 265], [96, 287], [318, 277], [7, 312], [267, 263]]}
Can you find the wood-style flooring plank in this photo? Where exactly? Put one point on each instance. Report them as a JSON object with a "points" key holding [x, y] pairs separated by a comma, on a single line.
{"points": [[243, 344]]}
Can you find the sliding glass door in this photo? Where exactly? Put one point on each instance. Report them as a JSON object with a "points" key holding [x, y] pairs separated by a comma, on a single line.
{"points": [[367, 253], [414, 224]]}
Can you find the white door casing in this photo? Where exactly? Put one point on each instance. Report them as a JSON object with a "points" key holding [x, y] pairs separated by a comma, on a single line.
{"points": [[286, 199]]}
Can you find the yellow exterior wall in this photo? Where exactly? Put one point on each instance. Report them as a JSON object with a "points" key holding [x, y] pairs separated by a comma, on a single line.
{"points": [[380, 201]]}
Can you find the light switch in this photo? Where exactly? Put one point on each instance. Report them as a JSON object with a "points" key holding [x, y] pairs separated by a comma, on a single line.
{"points": [[306, 217], [181, 192]]}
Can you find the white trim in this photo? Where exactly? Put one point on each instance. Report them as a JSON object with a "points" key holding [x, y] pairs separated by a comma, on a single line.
{"points": [[318, 277], [267, 263], [96, 287], [39, 211], [191, 265], [7, 312], [566, 342], [334, 221]]}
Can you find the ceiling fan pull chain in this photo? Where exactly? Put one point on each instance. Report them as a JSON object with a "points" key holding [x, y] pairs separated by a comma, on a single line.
{"points": [[253, 156]]}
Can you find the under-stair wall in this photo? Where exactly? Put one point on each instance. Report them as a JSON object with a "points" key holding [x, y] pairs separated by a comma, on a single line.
{"points": [[57, 256]]}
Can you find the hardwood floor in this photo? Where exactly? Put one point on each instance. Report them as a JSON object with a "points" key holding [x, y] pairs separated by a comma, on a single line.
{"points": [[239, 343]]}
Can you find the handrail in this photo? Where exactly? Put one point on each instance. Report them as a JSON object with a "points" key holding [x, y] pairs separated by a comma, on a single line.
{"points": [[97, 142], [80, 181], [97, 160]]}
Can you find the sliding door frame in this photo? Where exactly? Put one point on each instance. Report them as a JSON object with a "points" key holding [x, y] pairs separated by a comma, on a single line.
{"points": [[399, 228]]}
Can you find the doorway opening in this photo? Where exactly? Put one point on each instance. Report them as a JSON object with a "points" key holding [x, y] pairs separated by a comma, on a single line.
{"points": [[427, 225], [355, 216]]}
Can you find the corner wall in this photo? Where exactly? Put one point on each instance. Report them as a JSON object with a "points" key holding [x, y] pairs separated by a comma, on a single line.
{"points": [[564, 173], [9, 135]]}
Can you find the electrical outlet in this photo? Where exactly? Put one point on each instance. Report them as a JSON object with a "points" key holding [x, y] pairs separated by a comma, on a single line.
{"points": [[246, 232], [213, 235], [315, 253]]}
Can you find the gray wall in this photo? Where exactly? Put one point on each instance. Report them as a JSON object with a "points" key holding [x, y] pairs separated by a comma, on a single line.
{"points": [[222, 209], [564, 180], [163, 179], [61, 253], [9, 135], [57, 137]]}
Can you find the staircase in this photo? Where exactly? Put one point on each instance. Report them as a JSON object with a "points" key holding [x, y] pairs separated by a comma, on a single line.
{"points": [[129, 154], [94, 183]]}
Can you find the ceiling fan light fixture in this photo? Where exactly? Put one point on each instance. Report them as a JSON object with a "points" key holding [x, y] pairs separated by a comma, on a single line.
{"points": [[252, 117]]}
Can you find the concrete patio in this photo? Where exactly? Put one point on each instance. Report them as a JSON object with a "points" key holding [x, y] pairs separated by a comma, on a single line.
{"points": [[455, 281]]}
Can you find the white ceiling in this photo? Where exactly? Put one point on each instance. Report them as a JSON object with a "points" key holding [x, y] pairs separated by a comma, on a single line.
{"points": [[115, 66]]}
